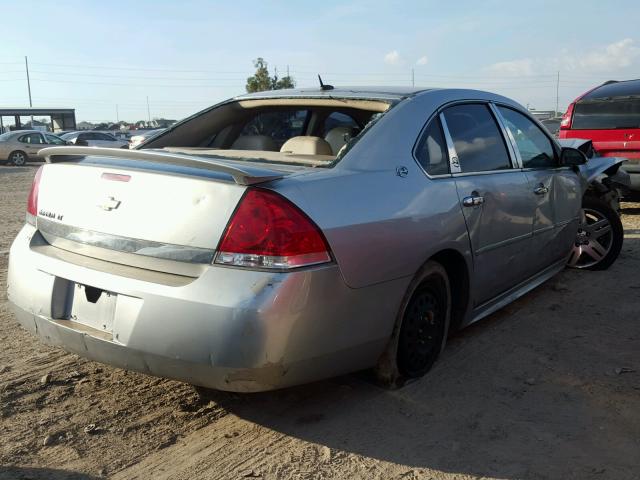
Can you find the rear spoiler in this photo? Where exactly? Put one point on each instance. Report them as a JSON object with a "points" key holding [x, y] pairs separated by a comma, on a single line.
{"points": [[241, 175]]}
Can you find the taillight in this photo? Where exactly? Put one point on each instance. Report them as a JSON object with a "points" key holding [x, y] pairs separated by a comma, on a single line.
{"points": [[32, 201], [565, 123], [268, 231]]}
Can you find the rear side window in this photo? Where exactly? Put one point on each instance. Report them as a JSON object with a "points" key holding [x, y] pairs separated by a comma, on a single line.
{"points": [[478, 142], [32, 138], [432, 150], [606, 114], [535, 147]]}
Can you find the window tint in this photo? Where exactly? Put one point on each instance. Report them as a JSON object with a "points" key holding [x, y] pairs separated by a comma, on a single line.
{"points": [[52, 139], [606, 114], [32, 138], [338, 119], [279, 125], [104, 136], [535, 147], [432, 150], [478, 142]]}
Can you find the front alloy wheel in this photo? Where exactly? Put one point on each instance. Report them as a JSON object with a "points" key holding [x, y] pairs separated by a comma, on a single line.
{"points": [[599, 237], [19, 159]]}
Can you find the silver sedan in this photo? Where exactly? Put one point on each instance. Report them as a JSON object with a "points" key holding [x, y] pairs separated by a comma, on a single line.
{"points": [[283, 237], [20, 146]]}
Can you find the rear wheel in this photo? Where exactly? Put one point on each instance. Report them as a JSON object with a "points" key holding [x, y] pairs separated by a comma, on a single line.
{"points": [[599, 237], [18, 158], [420, 335]]}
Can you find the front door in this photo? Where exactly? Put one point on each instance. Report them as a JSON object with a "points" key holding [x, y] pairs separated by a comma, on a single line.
{"points": [[555, 190], [494, 198]]}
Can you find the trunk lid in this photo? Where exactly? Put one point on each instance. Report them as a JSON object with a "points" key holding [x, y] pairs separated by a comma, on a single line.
{"points": [[171, 210]]}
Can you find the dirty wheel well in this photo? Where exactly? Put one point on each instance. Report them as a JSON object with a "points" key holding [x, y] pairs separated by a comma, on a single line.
{"points": [[456, 268]]}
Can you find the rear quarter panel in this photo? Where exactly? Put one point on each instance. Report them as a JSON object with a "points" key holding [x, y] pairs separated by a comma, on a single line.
{"points": [[381, 226]]}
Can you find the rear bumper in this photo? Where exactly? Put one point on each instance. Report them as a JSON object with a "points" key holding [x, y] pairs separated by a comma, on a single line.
{"points": [[228, 329]]}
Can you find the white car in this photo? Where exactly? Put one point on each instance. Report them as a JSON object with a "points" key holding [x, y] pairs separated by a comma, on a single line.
{"points": [[95, 139], [144, 136]]}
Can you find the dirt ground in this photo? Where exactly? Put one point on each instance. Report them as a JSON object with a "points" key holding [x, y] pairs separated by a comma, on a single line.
{"points": [[549, 387]]}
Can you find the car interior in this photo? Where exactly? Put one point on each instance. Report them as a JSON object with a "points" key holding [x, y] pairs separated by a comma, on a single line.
{"points": [[307, 131]]}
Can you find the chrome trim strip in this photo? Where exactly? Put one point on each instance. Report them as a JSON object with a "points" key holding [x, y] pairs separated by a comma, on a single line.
{"points": [[487, 172], [514, 153], [166, 251], [242, 176], [454, 164]]}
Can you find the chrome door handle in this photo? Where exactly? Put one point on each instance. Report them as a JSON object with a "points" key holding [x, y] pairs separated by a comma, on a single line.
{"points": [[473, 201], [540, 190]]}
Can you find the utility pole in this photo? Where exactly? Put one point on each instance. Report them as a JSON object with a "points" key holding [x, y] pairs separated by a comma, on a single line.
{"points": [[148, 111], [557, 93], [26, 66], [413, 77], [117, 115], [287, 70]]}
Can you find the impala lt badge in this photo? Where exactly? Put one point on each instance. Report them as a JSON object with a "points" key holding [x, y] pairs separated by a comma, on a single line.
{"points": [[110, 204]]}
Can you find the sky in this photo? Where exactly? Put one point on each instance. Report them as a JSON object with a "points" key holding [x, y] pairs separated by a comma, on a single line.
{"points": [[105, 58]]}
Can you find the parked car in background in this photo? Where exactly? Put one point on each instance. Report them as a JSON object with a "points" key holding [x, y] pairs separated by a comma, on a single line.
{"points": [[141, 137], [552, 124], [609, 116], [94, 139], [291, 235], [21, 146]]}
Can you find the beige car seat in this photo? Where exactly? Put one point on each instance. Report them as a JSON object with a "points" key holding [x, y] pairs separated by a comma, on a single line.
{"points": [[338, 137], [254, 142], [306, 145]]}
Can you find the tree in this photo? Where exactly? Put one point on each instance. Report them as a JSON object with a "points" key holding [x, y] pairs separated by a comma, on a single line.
{"points": [[262, 81]]}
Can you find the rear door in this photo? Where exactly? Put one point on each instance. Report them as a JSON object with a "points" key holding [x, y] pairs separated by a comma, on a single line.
{"points": [[32, 143], [494, 197], [555, 190]]}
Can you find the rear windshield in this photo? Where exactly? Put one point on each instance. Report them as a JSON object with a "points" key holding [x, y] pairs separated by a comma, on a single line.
{"points": [[607, 114]]}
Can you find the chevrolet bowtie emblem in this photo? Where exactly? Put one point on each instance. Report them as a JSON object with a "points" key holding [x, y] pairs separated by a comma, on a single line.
{"points": [[110, 204]]}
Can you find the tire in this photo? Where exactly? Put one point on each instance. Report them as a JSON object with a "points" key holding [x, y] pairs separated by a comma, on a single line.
{"points": [[18, 158], [599, 238], [421, 329]]}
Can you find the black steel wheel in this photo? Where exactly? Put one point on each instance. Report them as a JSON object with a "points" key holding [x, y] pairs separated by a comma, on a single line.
{"points": [[423, 327]]}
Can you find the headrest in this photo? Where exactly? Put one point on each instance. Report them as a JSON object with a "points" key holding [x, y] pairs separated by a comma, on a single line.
{"points": [[338, 137], [307, 146]]}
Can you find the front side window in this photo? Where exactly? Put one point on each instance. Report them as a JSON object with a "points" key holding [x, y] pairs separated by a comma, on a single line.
{"points": [[432, 150], [53, 140], [104, 137], [279, 125], [478, 142], [31, 138], [535, 147]]}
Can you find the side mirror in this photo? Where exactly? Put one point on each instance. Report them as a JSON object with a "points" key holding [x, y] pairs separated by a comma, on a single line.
{"points": [[571, 157]]}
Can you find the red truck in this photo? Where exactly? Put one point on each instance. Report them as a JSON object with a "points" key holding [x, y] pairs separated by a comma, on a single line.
{"points": [[609, 116]]}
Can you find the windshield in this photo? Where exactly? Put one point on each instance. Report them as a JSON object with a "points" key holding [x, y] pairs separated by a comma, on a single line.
{"points": [[607, 114], [5, 136]]}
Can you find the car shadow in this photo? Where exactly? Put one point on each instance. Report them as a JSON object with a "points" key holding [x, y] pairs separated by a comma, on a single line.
{"points": [[33, 473], [530, 392]]}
